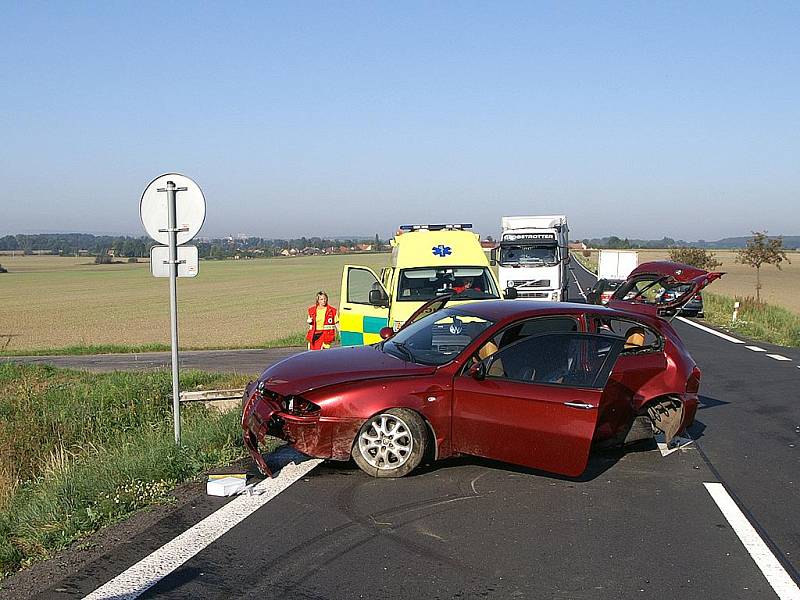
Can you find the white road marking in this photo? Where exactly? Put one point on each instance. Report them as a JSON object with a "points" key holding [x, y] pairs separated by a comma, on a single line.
{"points": [[755, 348], [153, 568], [580, 264], [719, 334], [779, 357], [776, 575], [578, 283]]}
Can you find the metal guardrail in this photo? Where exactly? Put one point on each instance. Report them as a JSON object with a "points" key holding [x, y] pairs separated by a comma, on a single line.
{"points": [[212, 395]]}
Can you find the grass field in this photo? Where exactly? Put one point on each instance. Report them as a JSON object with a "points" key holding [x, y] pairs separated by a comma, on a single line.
{"points": [[54, 302], [82, 450]]}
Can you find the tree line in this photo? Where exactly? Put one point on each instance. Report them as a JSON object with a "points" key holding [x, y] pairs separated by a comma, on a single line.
{"points": [[73, 244]]}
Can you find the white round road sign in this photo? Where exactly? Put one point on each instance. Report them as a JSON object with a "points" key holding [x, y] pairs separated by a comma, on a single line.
{"points": [[190, 211]]}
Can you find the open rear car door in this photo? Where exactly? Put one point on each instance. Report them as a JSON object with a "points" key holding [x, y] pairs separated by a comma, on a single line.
{"points": [[536, 401], [643, 290]]}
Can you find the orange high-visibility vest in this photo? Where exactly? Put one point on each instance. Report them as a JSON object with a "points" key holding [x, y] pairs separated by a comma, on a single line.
{"points": [[328, 330]]}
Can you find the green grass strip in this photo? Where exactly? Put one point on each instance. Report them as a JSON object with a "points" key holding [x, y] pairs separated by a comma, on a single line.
{"points": [[83, 450], [297, 339], [758, 321]]}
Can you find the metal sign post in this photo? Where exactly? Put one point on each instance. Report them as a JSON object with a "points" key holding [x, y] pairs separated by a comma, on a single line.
{"points": [[172, 230], [190, 217]]}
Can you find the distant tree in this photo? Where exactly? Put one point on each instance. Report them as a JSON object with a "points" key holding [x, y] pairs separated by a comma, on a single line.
{"points": [[696, 257], [103, 258], [3, 269], [762, 250], [377, 243]]}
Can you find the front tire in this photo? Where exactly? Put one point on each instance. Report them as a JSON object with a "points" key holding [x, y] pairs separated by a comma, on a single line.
{"points": [[391, 443]]}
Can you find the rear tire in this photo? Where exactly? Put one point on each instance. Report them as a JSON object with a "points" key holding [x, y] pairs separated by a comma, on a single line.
{"points": [[391, 443]]}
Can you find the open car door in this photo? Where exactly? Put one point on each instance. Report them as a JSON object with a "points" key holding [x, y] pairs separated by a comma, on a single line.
{"points": [[644, 289], [536, 401], [364, 306]]}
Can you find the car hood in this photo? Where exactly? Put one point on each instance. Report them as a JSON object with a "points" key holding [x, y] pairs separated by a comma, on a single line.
{"points": [[315, 369]]}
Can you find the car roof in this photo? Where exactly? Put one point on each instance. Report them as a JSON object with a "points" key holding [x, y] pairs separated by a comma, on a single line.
{"points": [[500, 310]]}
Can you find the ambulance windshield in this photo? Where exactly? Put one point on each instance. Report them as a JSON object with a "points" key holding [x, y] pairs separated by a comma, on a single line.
{"points": [[467, 283]]}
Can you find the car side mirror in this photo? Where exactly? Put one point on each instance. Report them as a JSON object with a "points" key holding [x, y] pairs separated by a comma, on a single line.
{"points": [[477, 371], [377, 298], [386, 333], [510, 293], [493, 256]]}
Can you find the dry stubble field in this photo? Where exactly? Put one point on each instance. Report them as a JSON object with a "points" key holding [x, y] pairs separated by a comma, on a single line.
{"points": [[52, 302]]}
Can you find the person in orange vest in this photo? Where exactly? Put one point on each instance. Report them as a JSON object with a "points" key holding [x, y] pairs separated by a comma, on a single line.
{"points": [[322, 322]]}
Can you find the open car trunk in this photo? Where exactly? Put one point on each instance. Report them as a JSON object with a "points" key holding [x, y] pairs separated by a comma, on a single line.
{"points": [[644, 289]]}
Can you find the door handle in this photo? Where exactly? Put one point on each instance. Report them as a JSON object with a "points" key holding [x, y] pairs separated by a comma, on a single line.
{"points": [[346, 308], [583, 405]]}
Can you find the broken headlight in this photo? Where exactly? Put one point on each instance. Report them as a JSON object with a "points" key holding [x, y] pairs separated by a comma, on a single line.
{"points": [[297, 405]]}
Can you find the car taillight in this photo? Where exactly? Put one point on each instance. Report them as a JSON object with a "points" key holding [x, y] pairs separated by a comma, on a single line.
{"points": [[698, 297], [297, 405], [605, 297]]}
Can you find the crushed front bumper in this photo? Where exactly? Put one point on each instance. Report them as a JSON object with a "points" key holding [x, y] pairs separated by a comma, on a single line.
{"points": [[263, 415]]}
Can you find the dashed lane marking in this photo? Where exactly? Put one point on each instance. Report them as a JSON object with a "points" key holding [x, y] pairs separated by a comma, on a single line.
{"points": [[779, 357], [153, 568], [755, 348], [772, 569], [719, 334]]}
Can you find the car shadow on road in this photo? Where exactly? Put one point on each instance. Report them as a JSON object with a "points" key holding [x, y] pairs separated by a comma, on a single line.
{"points": [[600, 461]]}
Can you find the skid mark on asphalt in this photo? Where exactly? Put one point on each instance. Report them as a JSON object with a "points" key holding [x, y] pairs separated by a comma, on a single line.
{"points": [[298, 564], [772, 569], [155, 567]]}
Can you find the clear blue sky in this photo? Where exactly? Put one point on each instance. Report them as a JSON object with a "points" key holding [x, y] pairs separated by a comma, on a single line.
{"points": [[639, 119]]}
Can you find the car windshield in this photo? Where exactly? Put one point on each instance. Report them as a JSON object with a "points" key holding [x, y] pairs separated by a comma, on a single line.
{"points": [[468, 283], [437, 338], [528, 255]]}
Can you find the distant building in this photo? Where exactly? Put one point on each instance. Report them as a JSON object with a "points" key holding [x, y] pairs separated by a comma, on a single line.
{"points": [[577, 246]]}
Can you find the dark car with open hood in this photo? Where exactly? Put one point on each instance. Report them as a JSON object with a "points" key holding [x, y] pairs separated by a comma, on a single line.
{"points": [[529, 383]]}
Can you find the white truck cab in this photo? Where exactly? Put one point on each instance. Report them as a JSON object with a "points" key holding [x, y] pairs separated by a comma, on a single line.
{"points": [[533, 257], [427, 261]]}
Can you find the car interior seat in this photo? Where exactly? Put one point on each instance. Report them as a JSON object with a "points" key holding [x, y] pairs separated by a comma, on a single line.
{"points": [[634, 338]]}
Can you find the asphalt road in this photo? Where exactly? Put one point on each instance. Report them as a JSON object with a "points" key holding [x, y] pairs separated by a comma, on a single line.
{"points": [[227, 361], [635, 525]]}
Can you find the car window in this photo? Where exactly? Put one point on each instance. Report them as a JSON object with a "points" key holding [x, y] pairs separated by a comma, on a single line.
{"points": [[423, 284], [520, 330], [437, 338], [359, 284], [573, 360], [638, 338]]}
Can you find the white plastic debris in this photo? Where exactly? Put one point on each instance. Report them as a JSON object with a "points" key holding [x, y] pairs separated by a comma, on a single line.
{"points": [[227, 486]]}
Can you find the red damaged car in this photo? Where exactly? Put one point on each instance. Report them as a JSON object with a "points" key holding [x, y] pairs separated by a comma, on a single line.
{"points": [[529, 383]]}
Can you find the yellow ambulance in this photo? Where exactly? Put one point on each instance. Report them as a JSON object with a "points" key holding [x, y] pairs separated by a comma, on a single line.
{"points": [[427, 261]]}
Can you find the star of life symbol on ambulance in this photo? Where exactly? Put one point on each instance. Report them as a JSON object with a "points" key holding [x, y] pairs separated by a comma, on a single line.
{"points": [[442, 250]]}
